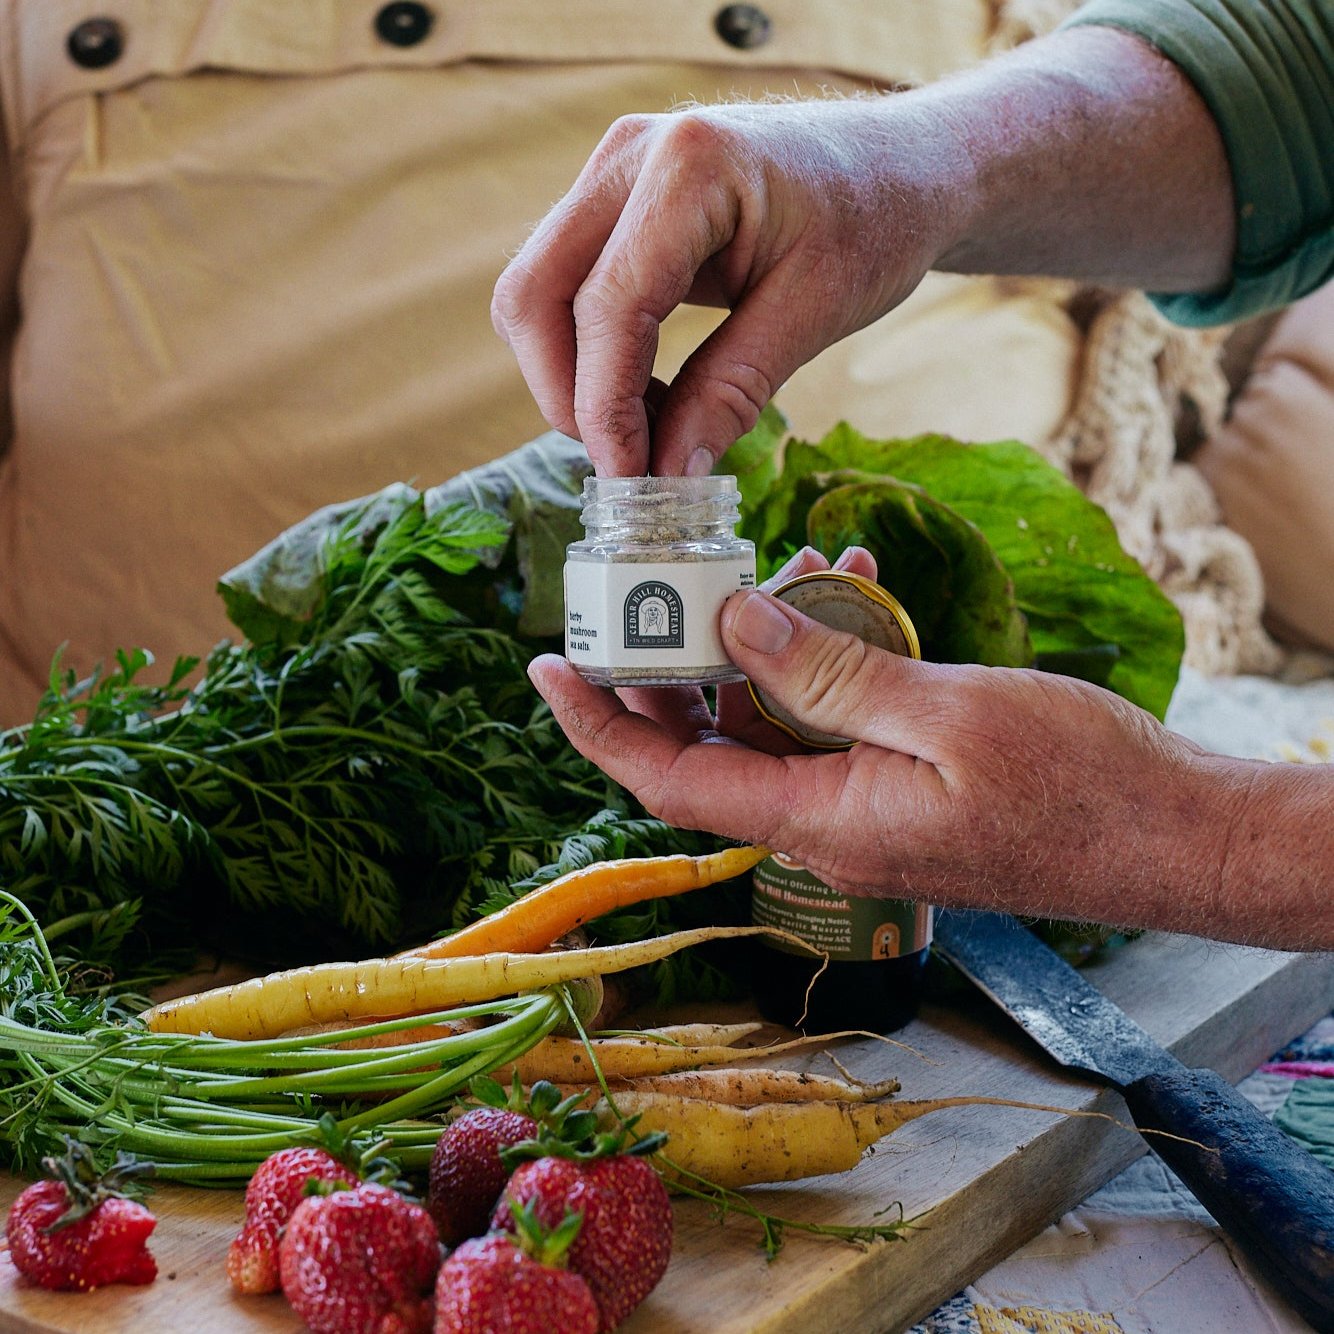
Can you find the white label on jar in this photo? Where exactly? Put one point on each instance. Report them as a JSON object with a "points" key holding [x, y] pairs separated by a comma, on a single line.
{"points": [[650, 614]]}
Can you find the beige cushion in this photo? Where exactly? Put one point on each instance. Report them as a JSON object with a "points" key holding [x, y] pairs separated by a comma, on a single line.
{"points": [[1272, 468]]}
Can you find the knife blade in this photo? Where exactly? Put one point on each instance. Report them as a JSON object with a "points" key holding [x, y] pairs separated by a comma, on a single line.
{"points": [[1271, 1196]]}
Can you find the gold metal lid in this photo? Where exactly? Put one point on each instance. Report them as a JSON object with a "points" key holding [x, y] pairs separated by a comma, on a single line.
{"points": [[847, 602]]}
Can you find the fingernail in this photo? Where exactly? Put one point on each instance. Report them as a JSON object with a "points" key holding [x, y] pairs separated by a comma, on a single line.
{"points": [[762, 624], [701, 463], [790, 567], [845, 559]]}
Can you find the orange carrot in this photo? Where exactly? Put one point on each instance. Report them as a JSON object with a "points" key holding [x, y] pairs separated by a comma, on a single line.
{"points": [[530, 924]]}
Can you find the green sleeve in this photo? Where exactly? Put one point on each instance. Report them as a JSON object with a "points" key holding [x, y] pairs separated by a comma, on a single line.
{"points": [[1265, 69]]}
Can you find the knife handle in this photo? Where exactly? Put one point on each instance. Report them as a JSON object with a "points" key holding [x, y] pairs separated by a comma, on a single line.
{"points": [[1266, 1192]]}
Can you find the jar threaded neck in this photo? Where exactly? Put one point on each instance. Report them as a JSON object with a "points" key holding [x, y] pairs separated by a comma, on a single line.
{"points": [[656, 510]]}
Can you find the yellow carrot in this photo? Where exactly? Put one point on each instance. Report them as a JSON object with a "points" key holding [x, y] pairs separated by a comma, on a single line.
{"points": [[566, 1060], [264, 1007], [545, 914], [783, 1141]]}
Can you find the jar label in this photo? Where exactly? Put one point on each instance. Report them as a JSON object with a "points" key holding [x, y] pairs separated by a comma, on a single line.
{"points": [[650, 613], [789, 897]]}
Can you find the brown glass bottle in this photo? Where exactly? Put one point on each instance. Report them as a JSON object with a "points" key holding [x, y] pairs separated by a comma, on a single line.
{"points": [[877, 954]]}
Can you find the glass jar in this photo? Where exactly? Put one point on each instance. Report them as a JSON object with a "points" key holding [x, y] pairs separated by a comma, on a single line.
{"points": [[877, 951], [644, 589]]}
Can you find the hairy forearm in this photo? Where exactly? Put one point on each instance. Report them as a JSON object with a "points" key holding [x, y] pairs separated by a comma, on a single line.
{"points": [[1277, 879], [1237, 850], [1085, 155]]}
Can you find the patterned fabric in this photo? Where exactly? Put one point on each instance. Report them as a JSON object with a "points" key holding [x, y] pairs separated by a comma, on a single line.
{"points": [[956, 1316], [1308, 1112]]}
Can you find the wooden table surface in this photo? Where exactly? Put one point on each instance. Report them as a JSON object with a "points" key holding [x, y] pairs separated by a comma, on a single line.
{"points": [[980, 1180]]}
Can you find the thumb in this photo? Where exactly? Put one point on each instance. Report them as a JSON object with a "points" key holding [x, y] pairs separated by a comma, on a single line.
{"points": [[836, 682]]}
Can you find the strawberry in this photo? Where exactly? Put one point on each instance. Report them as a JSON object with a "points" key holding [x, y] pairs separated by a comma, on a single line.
{"points": [[80, 1230], [467, 1174], [625, 1242], [275, 1190], [359, 1261], [515, 1283], [279, 1185]]}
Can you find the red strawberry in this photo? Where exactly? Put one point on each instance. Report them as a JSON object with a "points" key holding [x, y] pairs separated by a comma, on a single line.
{"points": [[516, 1284], [79, 1230], [274, 1192], [625, 1242], [360, 1261], [467, 1175]]}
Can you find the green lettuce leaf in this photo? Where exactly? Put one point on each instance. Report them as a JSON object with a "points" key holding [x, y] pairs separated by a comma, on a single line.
{"points": [[537, 489], [957, 593], [1084, 597], [756, 459]]}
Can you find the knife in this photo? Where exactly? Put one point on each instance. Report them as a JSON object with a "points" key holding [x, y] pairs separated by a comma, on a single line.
{"points": [[1271, 1196]]}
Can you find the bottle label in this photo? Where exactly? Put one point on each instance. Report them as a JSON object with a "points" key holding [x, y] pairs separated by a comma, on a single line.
{"points": [[650, 614], [789, 897]]}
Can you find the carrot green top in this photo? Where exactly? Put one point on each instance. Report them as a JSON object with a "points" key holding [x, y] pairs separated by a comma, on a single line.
{"points": [[1265, 69]]}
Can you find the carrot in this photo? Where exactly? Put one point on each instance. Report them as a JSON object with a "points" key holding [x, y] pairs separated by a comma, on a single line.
{"points": [[381, 1041], [782, 1141], [672, 1036], [750, 1088], [566, 1060], [686, 1035], [544, 915], [264, 1007]]}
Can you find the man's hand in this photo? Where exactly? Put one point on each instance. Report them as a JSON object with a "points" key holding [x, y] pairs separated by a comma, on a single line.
{"points": [[801, 218], [975, 786], [1083, 154]]}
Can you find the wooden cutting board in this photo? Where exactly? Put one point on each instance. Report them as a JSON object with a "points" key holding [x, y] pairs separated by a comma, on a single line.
{"points": [[980, 1180]]}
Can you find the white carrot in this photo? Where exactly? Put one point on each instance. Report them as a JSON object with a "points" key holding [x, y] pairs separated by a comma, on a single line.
{"points": [[264, 1007], [566, 1060], [750, 1088]]}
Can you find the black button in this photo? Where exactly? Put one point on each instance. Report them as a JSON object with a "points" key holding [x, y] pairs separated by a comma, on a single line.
{"points": [[743, 26], [96, 43], [404, 23]]}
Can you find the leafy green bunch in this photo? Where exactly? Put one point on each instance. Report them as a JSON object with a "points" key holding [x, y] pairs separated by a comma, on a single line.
{"points": [[366, 769], [75, 1065]]}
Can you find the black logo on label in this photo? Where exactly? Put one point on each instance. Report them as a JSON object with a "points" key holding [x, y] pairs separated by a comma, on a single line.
{"points": [[653, 617]]}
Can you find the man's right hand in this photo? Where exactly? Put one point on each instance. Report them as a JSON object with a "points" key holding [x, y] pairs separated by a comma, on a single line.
{"points": [[808, 220]]}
